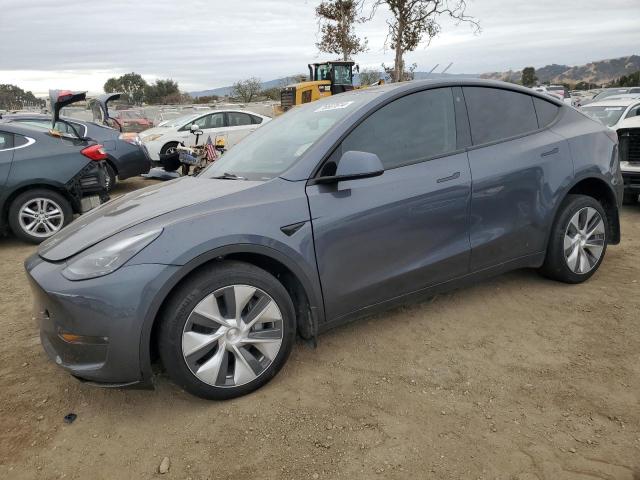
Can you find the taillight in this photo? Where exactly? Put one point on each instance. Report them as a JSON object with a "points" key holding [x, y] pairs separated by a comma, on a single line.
{"points": [[94, 152]]}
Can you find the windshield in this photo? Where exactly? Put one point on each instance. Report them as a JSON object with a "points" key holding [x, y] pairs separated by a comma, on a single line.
{"points": [[342, 75], [180, 121], [609, 93], [279, 144], [607, 115]]}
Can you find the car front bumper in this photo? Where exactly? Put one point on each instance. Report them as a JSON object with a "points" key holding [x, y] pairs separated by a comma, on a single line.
{"points": [[93, 328], [631, 176]]}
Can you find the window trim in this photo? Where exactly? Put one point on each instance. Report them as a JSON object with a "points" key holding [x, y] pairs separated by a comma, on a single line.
{"points": [[514, 137], [338, 144]]}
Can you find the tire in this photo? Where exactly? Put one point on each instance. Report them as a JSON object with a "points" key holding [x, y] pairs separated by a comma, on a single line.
{"points": [[212, 358], [39, 201], [578, 259], [630, 198], [168, 147], [111, 179]]}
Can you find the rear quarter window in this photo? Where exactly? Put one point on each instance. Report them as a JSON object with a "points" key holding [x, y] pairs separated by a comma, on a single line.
{"points": [[545, 111], [496, 114], [6, 140]]}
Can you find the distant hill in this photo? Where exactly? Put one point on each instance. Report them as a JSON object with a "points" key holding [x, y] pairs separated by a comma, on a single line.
{"points": [[278, 82], [600, 72]]}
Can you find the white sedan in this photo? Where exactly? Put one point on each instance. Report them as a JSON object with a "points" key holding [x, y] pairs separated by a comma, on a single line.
{"points": [[228, 126]]}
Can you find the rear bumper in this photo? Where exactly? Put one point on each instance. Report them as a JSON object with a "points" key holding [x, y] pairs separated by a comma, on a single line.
{"points": [[93, 328]]}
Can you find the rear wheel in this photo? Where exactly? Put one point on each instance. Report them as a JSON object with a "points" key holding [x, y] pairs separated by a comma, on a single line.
{"points": [[227, 331], [578, 240], [37, 214], [111, 179]]}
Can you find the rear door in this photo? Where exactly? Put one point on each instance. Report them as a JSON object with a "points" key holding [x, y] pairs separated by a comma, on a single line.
{"points": [[383, 237], [518, 168], [6, 155], [212, 125], [240, 125]]}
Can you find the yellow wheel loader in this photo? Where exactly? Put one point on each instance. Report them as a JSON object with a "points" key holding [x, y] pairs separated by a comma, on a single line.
{"points": [[325, 79]]}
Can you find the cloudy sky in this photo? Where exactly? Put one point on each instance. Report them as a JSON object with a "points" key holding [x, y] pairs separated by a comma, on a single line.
{"points": [[211, 43]]}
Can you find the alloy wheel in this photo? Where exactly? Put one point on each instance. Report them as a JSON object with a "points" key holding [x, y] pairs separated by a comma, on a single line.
{"points": [[41, 217], [584, 240], [232, 336]]}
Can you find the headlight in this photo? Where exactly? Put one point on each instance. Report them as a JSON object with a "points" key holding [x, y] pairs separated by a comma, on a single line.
{"points": [[151, 138], [130, 137], [107, 256]]}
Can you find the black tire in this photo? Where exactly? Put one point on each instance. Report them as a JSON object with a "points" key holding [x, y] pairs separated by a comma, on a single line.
{"points": [[111, 179], [555, 265], [630, 198], [31, 196], [167, 147], [189, 294]]}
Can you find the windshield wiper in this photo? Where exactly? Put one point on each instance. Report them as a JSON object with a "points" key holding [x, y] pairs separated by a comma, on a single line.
{"points": [[229, 176]]}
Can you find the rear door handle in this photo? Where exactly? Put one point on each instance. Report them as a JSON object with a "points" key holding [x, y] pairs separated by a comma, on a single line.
{"points": [[553, 151], [449, 178]]}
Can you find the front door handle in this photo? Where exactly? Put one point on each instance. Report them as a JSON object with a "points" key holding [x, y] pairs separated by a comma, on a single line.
{"points": [[449, 178]]}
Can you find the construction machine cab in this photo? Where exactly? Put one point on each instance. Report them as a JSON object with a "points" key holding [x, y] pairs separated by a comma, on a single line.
{"points": [[339, 73]]}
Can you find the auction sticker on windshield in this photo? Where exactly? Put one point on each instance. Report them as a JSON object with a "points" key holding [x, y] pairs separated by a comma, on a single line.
{"points": [[333, 106]]}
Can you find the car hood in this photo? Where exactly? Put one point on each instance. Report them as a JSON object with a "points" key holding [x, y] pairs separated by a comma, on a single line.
{"points": [[134, 208], [633, 122], [156, 130]]}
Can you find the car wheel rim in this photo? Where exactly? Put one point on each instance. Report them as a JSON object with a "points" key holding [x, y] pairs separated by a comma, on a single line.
{"points": [[232, 336], [584, 240], [41, 217], [170, 150]]}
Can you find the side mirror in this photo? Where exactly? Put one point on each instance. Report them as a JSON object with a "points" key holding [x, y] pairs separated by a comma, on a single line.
{"points": [[353, 165]]}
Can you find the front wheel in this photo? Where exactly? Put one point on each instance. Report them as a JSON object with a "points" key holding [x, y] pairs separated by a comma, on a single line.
{"points": [[578, 240], [37, 214], [227, 331]]}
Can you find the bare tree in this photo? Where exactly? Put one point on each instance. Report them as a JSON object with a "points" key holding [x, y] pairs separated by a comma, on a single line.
{"points": [[337, 20], [369, 76], [413, 20], [246, 90]]}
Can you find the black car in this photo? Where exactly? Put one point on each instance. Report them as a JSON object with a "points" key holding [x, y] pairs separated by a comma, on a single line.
{"points": [[45, 178], [126, 156]]}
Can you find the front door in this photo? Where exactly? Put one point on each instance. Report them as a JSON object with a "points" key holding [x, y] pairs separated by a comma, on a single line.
{"points": [[383, 237]]}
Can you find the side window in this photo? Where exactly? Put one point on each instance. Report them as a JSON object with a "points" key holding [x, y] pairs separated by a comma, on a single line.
{"points": [[237, 119], [19, 140], [633, 111], [6, 140], [545, 111], [256, 120], [213, 120], [496, 114], [408, 130]]}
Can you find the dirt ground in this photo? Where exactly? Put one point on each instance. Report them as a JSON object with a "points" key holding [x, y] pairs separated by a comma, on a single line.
{"points": [[515, 378]]}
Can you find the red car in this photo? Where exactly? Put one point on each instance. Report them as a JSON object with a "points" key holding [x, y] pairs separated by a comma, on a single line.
{"points": [[132, 120]]}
